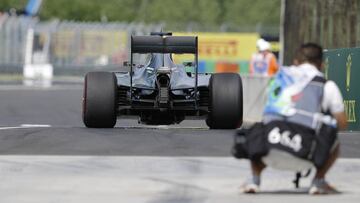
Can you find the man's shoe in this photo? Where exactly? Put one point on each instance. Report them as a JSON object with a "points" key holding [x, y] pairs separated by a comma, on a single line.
{"points": [[321, 187], [250, 188]]}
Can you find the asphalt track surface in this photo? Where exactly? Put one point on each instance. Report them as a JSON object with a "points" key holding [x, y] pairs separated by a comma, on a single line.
{"points": [[59, 107], [47, 155]]}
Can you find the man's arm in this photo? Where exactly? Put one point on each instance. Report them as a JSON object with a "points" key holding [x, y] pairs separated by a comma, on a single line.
{"points": [[341, 120], [333, 101]]}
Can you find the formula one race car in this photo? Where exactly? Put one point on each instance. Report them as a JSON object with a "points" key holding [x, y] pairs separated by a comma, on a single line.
{"points": [[161, 92]]}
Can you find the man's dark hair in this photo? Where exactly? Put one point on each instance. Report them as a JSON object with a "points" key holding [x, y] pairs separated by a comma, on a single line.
{"points": [[311, 53]]}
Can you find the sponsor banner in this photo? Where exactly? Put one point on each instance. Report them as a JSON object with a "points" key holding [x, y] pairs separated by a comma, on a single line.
{"points": [[211, 66], [222, 52], [103, 42], [224, 46], [109, 46], [343, 67]]}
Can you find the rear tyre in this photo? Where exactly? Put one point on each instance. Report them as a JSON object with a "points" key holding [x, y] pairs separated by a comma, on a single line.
{"points": [[226, 101], [99, 100]]}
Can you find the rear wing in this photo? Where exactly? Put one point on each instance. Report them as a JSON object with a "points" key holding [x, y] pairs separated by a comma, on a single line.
{"points": [[162, 44]]}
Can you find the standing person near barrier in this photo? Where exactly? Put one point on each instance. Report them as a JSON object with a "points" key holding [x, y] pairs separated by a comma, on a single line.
{"points": [[263, 62], [301, 119]]}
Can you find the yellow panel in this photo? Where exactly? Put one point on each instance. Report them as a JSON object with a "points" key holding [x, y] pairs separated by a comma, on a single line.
{"points": [[223, 46], [275, 46]]}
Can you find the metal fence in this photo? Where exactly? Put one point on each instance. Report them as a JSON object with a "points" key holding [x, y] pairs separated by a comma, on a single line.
{"points": [[74, 48], [12, 42], [71, 47]]}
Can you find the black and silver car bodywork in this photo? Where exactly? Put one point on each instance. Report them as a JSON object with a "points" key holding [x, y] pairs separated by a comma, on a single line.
{"points": [[162, 92]]}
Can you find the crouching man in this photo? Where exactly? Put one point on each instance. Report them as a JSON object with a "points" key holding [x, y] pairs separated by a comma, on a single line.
{"points": [[300, 123]]}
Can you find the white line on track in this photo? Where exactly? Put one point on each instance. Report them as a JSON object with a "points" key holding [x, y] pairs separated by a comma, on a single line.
{"points": [[53, 87], [22, 126], [162, 127]]}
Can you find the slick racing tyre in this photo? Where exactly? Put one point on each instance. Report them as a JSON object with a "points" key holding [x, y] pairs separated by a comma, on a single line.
{"points": [[99, 100], [226, 101]]}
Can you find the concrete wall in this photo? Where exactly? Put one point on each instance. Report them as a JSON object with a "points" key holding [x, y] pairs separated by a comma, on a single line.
{"points": [[254, 94]]}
